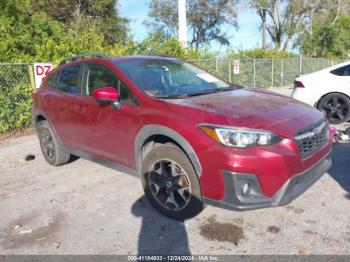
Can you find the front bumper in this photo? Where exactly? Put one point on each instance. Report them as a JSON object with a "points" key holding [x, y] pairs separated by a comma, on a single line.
{"points": [[234, 199]]}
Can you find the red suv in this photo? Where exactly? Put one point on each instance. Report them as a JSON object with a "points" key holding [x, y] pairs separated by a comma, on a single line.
{"points": [[191, 137]]}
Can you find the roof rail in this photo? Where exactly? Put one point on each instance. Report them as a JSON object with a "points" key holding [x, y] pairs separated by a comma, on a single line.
{"points": [[82, 56], [161, 55]]}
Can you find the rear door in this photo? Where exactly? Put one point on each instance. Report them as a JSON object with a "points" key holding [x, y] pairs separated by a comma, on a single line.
{"points": [[59, 99], [106, 132]]}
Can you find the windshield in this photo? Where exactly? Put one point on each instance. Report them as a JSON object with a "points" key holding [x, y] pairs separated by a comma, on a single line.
{"points": [[171, 78]]}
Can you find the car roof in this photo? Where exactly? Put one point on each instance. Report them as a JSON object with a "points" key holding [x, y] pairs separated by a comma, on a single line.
{"points": [[141, 57]]}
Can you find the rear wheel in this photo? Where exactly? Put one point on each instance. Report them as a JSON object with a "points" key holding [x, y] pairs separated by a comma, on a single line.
{"points": [[170, 182], [49, 145], [336, 108]]}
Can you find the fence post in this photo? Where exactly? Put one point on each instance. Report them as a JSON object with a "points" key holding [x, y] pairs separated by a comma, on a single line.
{"points": [[300, 64], [316, 67], [31, 76], [272, 72], [216, 65], [254, 73], [229, 71], [282, 72]]}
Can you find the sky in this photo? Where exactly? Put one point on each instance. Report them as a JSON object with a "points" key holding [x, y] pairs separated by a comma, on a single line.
{"points": [[247, 36]]}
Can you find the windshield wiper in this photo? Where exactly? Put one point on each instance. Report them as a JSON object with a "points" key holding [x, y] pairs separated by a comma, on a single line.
{"points": [[184, 95], [230, 88], [202, 92]]}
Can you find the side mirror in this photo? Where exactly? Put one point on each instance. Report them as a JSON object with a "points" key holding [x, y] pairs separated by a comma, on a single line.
{"points": [[105, 94]]}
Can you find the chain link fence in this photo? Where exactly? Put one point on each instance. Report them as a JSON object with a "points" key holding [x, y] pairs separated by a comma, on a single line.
{"points": [[16, 87], [263, 73], [17, 82]]}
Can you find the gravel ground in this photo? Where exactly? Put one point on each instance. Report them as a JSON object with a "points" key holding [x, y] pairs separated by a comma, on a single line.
{"points": [[84, 208]]}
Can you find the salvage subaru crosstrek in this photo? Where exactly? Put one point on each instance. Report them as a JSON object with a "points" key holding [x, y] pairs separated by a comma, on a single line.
{"points": [[190, 136]]}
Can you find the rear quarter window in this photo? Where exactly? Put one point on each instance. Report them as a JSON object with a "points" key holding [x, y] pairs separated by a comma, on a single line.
{"points": [[342, 71], [52, 80]]}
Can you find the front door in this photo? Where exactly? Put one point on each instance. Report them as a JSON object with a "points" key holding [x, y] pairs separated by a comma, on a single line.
{"points": [[106, 132]]}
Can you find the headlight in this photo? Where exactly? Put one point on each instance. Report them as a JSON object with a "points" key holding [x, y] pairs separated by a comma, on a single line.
{"points": [[240, 137]]}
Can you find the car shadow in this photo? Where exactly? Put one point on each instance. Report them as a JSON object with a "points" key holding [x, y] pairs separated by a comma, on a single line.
{"points": [[73, 158], [340, 170], [159, 235]]}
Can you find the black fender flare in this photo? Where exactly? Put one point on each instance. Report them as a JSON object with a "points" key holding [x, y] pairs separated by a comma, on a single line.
{"points": [[150, 130], [38, 112]]}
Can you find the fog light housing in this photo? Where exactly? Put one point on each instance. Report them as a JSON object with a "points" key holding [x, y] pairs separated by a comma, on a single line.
{"points": [[245, 188]]}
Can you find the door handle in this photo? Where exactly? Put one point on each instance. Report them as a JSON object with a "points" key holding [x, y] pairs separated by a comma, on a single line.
{"points": [[80, 108]]}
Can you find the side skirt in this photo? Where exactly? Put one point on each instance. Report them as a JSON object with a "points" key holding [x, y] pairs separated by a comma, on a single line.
{"points": [[102, 162]]}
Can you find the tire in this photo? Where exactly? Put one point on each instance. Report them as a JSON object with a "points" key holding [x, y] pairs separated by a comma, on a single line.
{"points": [[49, 145], [336, 108], [170, 182]]}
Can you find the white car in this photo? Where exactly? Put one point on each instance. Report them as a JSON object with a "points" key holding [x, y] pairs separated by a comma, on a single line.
{"points": [[328, 90]]}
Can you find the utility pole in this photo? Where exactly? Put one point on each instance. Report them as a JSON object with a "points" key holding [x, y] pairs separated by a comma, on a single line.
{"points": [[182, 22], [263, 42]]}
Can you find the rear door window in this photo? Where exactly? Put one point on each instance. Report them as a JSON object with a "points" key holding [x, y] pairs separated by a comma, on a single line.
{"points": [[69, 80], [342, 71]]}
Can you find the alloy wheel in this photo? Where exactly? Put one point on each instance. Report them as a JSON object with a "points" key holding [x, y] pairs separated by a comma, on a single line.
{"points": [[47, 144], [169, 184], [335, 108]]}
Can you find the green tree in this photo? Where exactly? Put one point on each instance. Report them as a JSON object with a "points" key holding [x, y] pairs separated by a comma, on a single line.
{"points": [[205, 19], [285, 19], [158, 43], [329, 38], [21, 30], [29, 32], [103, 13]]}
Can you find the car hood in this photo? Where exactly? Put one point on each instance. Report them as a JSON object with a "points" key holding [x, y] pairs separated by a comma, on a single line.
{"points": [[243, 107]]}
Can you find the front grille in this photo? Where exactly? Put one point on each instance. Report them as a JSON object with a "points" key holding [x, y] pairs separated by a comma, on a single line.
{"points": [[311, 138]]}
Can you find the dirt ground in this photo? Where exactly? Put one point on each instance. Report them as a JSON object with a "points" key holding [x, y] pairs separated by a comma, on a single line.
{"points": [[84, 208]]}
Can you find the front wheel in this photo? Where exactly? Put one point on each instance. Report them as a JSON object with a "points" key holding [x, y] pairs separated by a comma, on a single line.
{"points": [[336, 107], [170, 183]]}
